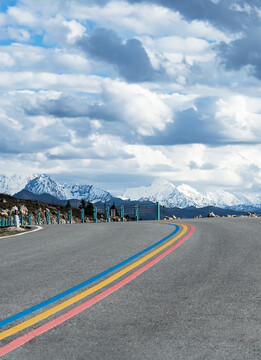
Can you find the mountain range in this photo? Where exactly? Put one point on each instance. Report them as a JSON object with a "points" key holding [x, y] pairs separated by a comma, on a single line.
{"points": [[163, 191], [185, 196]]}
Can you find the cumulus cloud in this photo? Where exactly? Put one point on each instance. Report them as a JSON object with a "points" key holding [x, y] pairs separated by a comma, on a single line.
{"points": [[49, 81], [58, 105], [24, 57], [125, 17], [214, 121], [15, 33], [131, 106], [141, 109], [218, 13], [88, 85], [21, 16], [245, 51], [130, 57], [240, 118]]}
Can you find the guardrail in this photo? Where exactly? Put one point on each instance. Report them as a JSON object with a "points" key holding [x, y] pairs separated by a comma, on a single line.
{"points": [[129, 212]]}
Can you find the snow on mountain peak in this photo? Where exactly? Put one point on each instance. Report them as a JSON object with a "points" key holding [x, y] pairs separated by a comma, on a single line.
{"points": [[45, 184], [182, 196], [160, 182], [194, 197], [14, 183], [160, 190], [222, 198], [40, 184], [188, 190]]}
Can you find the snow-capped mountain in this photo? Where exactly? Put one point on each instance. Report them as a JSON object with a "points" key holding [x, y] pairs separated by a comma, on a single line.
{"points": [[89, 192], [160, 190], [40, 184], [182, 196], [12, 184], [45, 184], [193, 197], [221, 198]]}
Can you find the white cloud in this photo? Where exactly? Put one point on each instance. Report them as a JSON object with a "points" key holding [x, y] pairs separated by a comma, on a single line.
{"points": [[144, 18], [146, 157], [14, 33], [240, 117], [33, 76], [76, 30], [96, 124], [141, 108], [31, 80], [21, 16], [179, 102], [241, 8], [184, 45], [6, 60], [37, 59]]}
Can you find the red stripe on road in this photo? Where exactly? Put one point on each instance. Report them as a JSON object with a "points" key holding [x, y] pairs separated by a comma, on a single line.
{"points": [[78, 309]]}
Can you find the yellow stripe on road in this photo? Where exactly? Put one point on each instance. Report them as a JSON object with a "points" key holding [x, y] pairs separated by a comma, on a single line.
{"points": [[25, 324]]}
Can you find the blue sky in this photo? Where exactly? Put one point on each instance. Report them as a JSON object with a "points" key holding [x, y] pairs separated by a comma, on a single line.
{"points": [[117, 93]]}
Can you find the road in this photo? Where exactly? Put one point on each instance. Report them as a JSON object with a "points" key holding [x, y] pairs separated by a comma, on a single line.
{"points": [[200, 301]]}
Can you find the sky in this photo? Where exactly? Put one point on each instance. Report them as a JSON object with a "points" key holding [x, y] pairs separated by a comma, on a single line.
{"points": [[118, 93]]}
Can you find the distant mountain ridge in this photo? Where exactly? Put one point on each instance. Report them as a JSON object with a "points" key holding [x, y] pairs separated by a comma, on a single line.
{"points": [[184, 196], [11, 184], [163, 191], [44, 184]]}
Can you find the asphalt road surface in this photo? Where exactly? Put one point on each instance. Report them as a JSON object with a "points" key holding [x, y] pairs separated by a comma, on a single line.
{"points": [[201, 301]]}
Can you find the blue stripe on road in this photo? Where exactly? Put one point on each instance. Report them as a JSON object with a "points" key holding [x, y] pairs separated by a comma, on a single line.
{"points": [[83, 284]]}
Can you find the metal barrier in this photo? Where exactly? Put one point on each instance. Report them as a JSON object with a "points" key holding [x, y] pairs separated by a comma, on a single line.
{"points": [[105, 213]]}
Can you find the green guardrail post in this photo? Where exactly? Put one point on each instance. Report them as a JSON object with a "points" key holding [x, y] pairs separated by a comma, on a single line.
{"points": [[2, 221], [9, 221], [58, 217], [95, 215], [47, 217], [157, 215], [6, 222], [107, 213], [70, 216], [137, 212], [30, 219], [122, 213], [38, 218], [14, 220], [82, 215], [22, 220]]}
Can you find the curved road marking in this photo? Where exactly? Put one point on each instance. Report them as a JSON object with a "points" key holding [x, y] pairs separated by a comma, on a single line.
{"points": [[78, 309], [27, 323], [70, 291], [22, 233]]}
